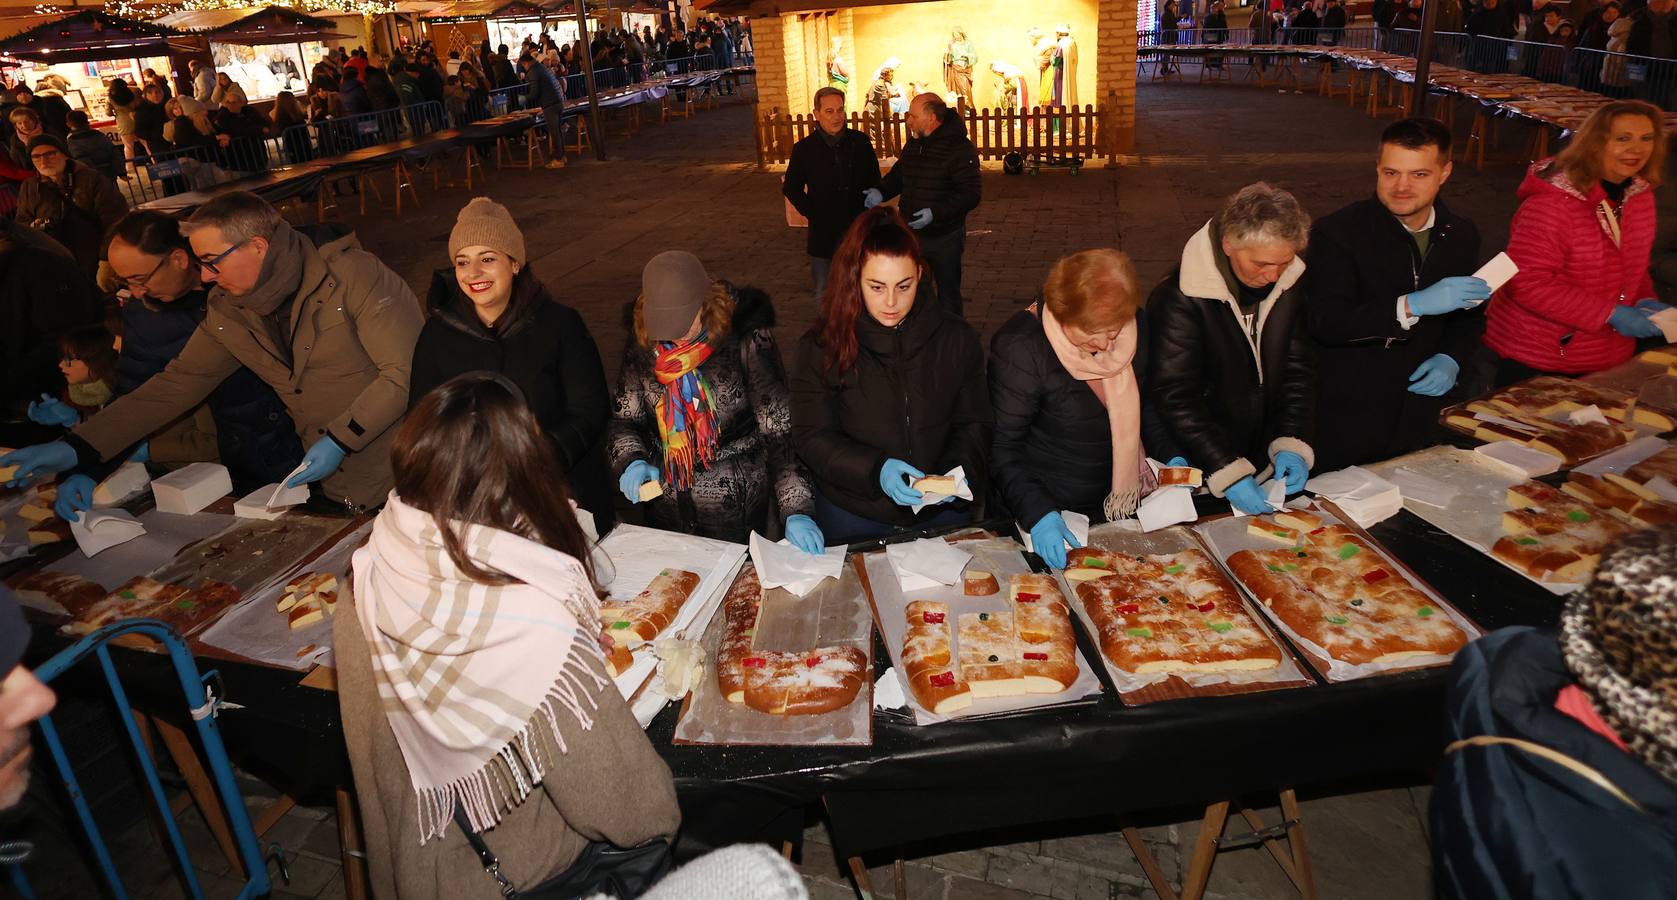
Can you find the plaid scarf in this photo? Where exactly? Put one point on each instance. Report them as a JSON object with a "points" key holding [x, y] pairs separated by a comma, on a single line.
{"points": [[468, 672], [686, 415]]}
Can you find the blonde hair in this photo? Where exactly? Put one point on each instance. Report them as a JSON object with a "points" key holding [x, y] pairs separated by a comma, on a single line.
{"points": [[1580, 160], [717, 314], [1094, 290]]}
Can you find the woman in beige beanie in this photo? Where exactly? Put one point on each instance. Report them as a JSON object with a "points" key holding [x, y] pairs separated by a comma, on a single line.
{"points": [[489, 312]]}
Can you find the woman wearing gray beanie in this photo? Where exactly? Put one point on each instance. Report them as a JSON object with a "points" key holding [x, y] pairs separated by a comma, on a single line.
{"points": [[1560, 775], [489, 312]]}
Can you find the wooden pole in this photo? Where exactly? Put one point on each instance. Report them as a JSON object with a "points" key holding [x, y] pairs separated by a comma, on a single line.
{"points": [[597, 137], [1423, 59]]}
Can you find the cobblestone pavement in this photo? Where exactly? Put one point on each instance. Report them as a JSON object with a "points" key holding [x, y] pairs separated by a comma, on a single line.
{"points": [[693, 185]]}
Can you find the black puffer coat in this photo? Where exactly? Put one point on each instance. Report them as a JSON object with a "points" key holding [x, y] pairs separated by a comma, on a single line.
{"points": [[43, 293], [1053, 445], [937, 172], [916, 393], [1229, 403], [254, 435], [1508, 823], [753, 416], [543, 347], [1361, 260]]}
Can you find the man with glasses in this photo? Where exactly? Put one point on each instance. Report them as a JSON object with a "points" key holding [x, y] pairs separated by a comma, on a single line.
{"points": [[330, 329], [69, 200], [243, 425]]}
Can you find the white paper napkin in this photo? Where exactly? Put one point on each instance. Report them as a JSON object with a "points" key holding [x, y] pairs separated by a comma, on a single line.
{"points": [[1076, 522], [1275, 491], [1498, 271], [1422, 488], [289, 496], [779, 564], [962, 489], [101, 529], [1666, 319], [1588, 415], [1165, 507], [1529, 462], [927, 562], [888, 691]]}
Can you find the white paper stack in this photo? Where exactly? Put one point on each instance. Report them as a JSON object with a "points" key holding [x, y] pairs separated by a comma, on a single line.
{"points": [[129, 479], [1165, 507], [1531, 463], [190, 489], [1364, 496], [1498, 271], [1422, 488], [962, 489], [254, 505], [101, 529], [785, 566], [927, 563]]}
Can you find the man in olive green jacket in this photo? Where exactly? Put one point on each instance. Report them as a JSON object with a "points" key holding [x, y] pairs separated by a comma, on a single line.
{"points": [[331, 329]]}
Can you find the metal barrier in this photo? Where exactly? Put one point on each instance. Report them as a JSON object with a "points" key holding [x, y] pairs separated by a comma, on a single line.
{"points": [[202, 706]]}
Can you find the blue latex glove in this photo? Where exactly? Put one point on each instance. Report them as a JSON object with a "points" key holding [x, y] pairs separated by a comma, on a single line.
{"points": [[142, 453], [1652, 305], [872, 198], [1177, 462], [1449, 295], [805, 535], [634, 475], [319, 461], [1246, 496], [1290, 468], [1633, 322], [893, 480], [1049, 537], [920, 219], [37, 461], [75, 494], [51, 411], [1434, 377]]}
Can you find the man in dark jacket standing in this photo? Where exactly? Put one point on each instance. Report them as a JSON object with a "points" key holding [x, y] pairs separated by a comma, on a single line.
{"points": [[1230, 369], [546, 95], [826, 178], [1393, 308], [937, 176]]}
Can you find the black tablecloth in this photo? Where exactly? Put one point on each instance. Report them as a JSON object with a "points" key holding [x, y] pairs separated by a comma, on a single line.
{"points": [[274, 186]]}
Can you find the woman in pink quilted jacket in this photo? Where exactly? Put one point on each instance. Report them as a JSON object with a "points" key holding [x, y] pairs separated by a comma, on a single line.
{"points": [[1581, 238]]}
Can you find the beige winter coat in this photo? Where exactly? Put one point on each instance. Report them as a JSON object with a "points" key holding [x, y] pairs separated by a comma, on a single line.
{"points": [[354, 324]]}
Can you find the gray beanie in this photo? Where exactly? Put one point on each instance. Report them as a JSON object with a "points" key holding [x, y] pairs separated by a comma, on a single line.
{"points": [[674, 286]]}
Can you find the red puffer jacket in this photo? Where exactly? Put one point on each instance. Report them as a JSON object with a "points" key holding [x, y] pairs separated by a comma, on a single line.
{"points": [[1553, 315]]}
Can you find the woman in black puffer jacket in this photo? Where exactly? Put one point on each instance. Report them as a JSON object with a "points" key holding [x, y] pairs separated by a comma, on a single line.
{"points": [[887, 387]]}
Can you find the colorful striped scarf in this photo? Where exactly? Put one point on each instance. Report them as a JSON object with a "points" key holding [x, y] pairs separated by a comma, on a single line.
{"points": [[686, 414]]}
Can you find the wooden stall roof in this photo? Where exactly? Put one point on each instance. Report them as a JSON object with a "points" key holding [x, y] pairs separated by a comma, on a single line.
{"points": [[81, 37], [252, 26]]}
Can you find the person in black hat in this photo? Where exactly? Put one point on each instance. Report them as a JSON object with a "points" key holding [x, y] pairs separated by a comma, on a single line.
{"points": [[69, 200], [23, 699]]}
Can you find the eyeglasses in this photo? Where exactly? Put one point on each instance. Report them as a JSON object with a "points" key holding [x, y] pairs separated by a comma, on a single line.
{"points": [[45, 156], [140, 280], [213, 263]]}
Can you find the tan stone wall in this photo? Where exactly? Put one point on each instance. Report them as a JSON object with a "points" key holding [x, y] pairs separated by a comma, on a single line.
{"points": [[1115, 73], [769, 42]]}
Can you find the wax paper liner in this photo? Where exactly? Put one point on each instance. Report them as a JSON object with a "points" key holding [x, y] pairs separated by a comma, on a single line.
{"points": [[1001, 558], [254, 630], [1123, 537], [166, 535], [1227, 536], [251, 554], [627, 560], [1474, 515], [1621, 460], [834, 614]]}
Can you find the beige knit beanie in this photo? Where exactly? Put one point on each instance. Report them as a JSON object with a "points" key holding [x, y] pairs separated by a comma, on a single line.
{"points": [[485, 223]]}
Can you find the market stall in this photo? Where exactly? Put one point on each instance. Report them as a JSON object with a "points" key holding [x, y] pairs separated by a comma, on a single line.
{"points": [[265, 50], [78, 53], [466, 23]]}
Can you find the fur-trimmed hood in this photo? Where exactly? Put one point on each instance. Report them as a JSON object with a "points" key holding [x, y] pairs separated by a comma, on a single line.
{"points": [[1203, 278]]}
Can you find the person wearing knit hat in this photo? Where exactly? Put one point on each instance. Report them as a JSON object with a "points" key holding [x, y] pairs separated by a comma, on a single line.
{"points": [[71, 201], [489, 312], [23, 699], [701, 433], [1560, 774]]}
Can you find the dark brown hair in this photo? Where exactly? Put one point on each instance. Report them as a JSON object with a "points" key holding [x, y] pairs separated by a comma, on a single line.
{"points": [[471, 453], [880, 231], [92, 345]]}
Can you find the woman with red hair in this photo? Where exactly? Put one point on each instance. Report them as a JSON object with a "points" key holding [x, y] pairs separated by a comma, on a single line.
{"points": [[888, 387]]}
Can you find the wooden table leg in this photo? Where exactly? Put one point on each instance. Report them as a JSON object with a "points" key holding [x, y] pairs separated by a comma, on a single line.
{"points": [[1295, 839], [1273, 845], [350, 849], [899, 878], [859, 874], [1205, 850], [271, 814], [198, 784], [1149, 865]]}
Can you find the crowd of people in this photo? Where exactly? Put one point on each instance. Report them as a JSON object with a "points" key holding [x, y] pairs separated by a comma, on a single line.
{"points": [[479, 419]]}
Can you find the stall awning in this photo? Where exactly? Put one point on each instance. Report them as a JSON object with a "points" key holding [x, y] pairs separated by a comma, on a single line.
{"points": [[252, 27], [82, 37], [477, 10]]}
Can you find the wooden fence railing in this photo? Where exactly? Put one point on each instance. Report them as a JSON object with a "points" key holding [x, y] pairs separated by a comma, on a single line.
{"points": [[1056, 131]]}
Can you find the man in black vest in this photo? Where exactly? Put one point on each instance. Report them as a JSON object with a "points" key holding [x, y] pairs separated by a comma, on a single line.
{"points": [[1392, 305], [826, 178]]}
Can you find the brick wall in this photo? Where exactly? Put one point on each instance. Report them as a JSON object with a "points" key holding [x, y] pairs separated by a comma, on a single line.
{"points": [[792, 40], [768, 40], [1115, 77]]}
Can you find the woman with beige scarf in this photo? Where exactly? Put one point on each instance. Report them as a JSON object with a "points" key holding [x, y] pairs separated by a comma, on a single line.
{"points": [[470, 676], [1069, 414]]}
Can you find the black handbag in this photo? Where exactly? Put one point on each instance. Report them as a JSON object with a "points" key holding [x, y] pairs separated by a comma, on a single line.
{"points": [[602, 867]]}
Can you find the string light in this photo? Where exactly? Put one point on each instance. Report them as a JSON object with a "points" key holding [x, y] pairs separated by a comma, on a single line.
{"points": [[132, 9]]}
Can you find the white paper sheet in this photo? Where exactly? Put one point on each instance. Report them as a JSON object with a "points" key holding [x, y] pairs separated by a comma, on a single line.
{"points": [[1167, 506], [779, 564], [1498, 271], [932, 560], [1524, 460], [1621, 460], [1421, 488], [962, 489], [1662, 488], [1076, 522], [1666, 319], [166, 535], [96, 530]]}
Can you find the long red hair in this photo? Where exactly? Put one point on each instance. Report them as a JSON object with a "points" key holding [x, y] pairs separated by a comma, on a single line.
{"points": [[880, 231]]}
